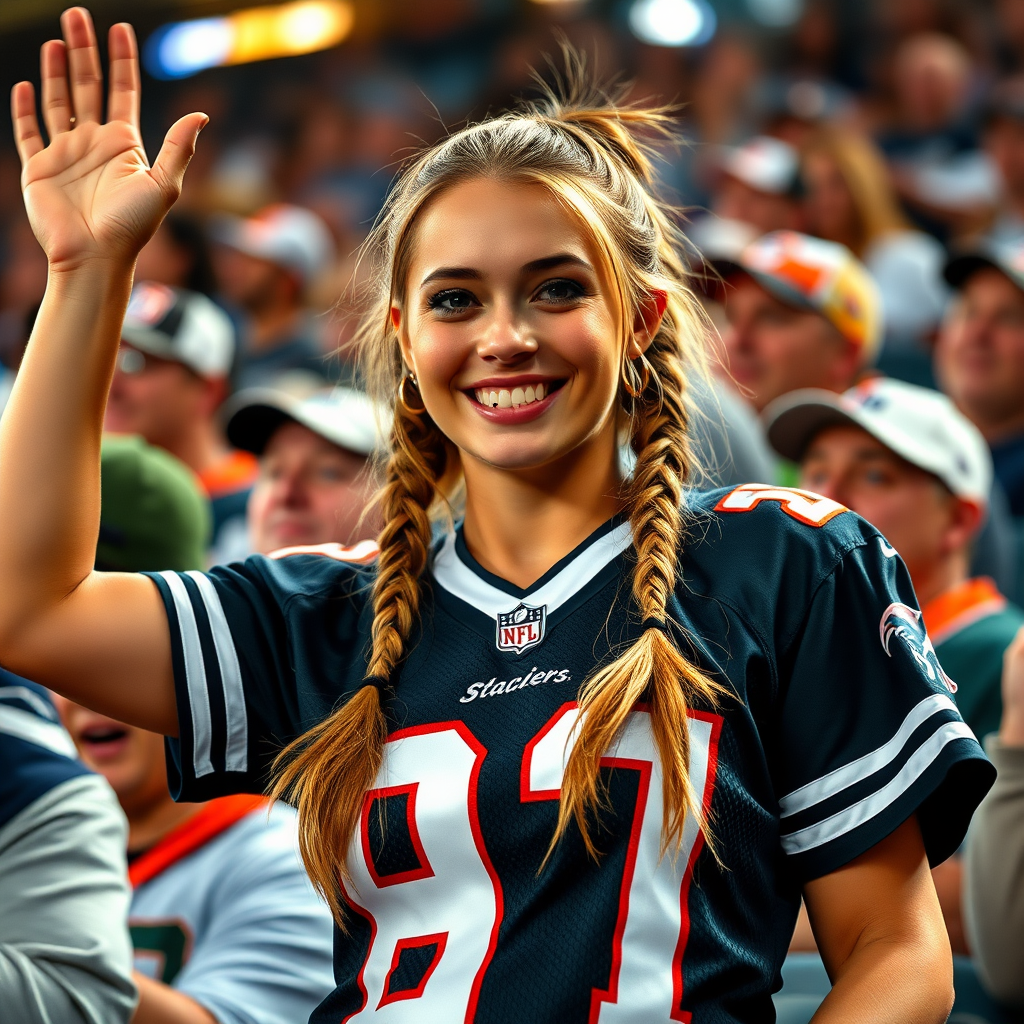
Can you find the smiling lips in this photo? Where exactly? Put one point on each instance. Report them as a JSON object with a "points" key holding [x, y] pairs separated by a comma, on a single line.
{"points": [[509, 399]]}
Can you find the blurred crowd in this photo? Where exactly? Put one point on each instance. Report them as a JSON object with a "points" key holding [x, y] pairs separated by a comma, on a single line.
{"points": [[853, 187]]}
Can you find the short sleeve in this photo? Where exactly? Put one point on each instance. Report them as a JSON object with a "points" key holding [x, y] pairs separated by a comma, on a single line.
{"points": [[870, 732], [259, 654]]}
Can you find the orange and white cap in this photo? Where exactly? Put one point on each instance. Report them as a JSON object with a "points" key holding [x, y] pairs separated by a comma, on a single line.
{"points": [[822, 276]]}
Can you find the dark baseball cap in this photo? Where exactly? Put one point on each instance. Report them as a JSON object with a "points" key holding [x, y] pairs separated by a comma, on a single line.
{"points": [[153, 514], [1007, 259]]}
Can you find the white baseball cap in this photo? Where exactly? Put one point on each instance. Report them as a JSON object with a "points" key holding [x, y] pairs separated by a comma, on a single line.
{"points": [[764, 163], [290, 236], [343, 416], [920, 425], [182, 326]]}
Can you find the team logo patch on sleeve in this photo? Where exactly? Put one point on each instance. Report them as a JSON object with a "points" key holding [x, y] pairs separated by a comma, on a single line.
{"points": [[900, 621], [521, 628]]}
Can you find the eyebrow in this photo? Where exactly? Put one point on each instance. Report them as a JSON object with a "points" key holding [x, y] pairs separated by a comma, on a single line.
{"points": [[560, 259]]}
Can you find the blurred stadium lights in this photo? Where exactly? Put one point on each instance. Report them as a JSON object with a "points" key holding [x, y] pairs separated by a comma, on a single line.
{"points": [[256, 33], [673, 22], [776, 13]]}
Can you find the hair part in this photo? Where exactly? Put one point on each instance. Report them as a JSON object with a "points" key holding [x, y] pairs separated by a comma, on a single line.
{"points": [[596, 158]]}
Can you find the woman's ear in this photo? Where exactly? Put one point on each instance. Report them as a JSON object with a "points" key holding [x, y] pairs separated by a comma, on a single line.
{"points": [[403, 339], [647, 322]]}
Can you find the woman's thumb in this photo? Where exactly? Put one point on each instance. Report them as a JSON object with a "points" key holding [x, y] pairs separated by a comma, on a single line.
{"points": [[176, 152]]}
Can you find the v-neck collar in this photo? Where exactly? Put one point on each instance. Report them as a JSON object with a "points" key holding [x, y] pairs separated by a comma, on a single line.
{"points": [[458, 573]]}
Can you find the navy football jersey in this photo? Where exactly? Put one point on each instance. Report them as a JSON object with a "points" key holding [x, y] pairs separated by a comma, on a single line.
{"points": [[36, 754], [839, 726]]}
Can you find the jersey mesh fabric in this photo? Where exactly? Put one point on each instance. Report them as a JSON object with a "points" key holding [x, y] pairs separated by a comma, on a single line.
{"points": [[841, 726]]}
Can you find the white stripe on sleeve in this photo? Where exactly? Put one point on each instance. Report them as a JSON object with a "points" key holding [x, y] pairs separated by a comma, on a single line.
{"points": [[842, 778], [236, 756], [864, 810], [25, 725], [195, 676]]}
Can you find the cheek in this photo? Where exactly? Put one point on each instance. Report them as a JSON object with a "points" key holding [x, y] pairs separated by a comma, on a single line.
{"points": [[259, 502]]}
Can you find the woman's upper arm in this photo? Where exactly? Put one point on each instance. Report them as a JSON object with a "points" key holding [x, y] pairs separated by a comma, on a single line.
{"points": [[107, 647], [886, 894]]}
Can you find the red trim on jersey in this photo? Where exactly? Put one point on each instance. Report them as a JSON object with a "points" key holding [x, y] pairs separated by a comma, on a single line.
{"points": [[441, 938], [207, 823], [785, 496], [362, 553], [526, 794], [684, 890], [646, 769], [474, 823], [424, 870]]}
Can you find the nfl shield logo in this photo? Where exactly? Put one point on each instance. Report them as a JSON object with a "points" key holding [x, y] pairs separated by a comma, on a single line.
{"points": [[521, 628]]}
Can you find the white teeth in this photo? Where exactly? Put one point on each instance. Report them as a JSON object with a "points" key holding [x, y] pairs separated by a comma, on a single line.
{"points": [[508, 399]]}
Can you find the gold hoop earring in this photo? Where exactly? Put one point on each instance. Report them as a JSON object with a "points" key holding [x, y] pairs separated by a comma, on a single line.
{"points": [[410, 378], [644, 381]]}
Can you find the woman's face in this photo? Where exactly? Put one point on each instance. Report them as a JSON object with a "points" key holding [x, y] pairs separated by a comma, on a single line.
{"points": [[509, 327], [829, 204]]}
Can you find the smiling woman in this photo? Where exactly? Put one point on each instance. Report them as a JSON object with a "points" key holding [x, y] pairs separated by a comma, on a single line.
{"points": [[694, 721]]}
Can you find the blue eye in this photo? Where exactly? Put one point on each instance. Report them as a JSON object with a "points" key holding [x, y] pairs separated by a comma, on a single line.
{"points": [[560, 291], [451, 301]]}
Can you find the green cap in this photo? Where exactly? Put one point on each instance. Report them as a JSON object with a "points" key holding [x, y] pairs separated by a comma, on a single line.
{"points": [[154, 515]]}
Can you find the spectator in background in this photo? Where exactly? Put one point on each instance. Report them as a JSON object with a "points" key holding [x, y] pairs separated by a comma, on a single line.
{"points": [[933, 143], [850, 199], [801, 313], [994, 879], [264, 266], [758, 191], [903, 458], [64, 950], [315, 484], [172, 373], [178, 255], [979, 358], [1004, 143], [225, 924]]}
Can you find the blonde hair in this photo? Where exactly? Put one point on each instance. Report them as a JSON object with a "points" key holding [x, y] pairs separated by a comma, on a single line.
{"points": [[863, 169], [591, 155]]}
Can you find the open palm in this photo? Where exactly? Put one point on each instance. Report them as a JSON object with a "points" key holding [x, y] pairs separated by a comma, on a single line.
{"points": [[91, 192]]}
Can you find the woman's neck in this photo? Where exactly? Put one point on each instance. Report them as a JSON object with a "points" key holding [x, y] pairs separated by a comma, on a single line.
{"points": [[519, 524]]}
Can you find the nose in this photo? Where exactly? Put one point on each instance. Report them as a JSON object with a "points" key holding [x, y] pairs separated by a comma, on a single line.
{"points": [[291, 490], [507, 338]]}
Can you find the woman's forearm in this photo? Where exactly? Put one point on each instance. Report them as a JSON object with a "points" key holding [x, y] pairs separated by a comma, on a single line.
{"points": [[892, 981], [50, 440]]}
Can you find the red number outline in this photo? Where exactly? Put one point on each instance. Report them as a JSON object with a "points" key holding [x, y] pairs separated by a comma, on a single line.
{"points": [[441, 938], [424, 870]]}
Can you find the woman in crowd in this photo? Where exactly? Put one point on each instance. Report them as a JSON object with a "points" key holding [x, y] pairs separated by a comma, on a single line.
{"points": [[850, 199], [579, 760]]}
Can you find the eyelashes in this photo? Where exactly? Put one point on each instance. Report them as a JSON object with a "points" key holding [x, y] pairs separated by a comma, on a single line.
{"points": [[561, 291]]}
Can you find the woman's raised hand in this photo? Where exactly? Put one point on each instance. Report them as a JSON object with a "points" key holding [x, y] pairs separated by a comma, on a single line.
{"points": [[91, 193]]}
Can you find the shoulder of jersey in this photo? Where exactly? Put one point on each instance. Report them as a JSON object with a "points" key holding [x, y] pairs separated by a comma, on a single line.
{"points": [[761, 523], [313, 569]]}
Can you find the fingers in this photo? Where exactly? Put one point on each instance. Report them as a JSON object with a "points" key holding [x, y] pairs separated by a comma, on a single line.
{"points": [[175, 153], [26, 125], [53, 67], [123, 104], [83, 65]]}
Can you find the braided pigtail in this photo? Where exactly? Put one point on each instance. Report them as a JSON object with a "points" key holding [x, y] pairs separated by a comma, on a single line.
{"points": [[326, 772], [653, 669]]}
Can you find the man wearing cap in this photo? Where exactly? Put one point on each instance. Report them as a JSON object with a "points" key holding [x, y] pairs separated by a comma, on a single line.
{"points": [[224, 923], [904, 458], [315, 480], [265, 265], [802, 312], [979, 356], [171, 378]]}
